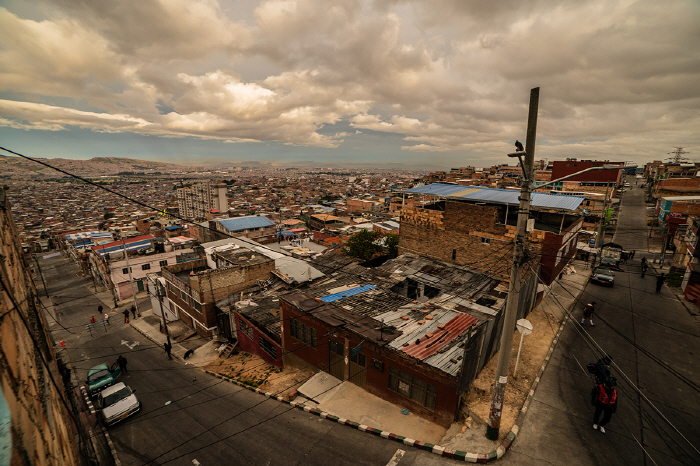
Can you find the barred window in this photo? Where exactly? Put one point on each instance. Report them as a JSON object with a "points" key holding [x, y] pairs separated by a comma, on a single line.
{"points": [[197, 306], [267, 346], [183, 296], [412, 388], [163, 263], [245, 328], [302, 332], [146, 267]]}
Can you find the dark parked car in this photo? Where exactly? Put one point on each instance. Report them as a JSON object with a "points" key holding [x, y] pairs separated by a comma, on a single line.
{"points": [[603, 276]]}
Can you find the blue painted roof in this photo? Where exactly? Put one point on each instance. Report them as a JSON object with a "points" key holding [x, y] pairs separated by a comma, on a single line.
{"points": [[499, 196], [172, 228], [246, 223], [347, 293]]}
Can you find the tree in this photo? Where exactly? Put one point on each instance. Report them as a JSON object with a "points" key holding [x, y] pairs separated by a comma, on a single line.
{"points": [[108, 215], [362, 244], [391, 242]]}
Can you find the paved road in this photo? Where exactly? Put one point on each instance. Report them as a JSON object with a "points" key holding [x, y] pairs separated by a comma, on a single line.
{"points": [[654, 341], [206, 419]]}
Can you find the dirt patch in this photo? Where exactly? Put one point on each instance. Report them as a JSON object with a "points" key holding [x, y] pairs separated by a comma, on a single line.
{"points": [[535, 347], [252, 370]]}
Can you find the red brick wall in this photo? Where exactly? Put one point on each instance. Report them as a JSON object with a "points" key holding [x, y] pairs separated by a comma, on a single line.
{"points": [[447, 399], [253, 345]]}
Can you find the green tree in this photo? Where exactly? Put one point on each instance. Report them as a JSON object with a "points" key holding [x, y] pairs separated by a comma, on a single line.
{"points": [[391, 242], [362, 244], [108, 215]]}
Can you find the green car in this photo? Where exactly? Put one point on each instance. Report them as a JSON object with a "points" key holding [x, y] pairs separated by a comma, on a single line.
{"points": [[102, 376], [603, 276]]}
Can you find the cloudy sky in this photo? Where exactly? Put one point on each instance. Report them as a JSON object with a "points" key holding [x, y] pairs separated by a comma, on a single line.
{"points": [[436, 83]]}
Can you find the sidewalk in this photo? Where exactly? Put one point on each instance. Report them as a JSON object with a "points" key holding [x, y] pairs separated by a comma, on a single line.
{"points": [[351, 405]]}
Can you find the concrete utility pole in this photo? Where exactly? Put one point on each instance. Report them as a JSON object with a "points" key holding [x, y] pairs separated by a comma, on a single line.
{"points": [[601, 230], [131, 281], [162, 311], [499, 387]]}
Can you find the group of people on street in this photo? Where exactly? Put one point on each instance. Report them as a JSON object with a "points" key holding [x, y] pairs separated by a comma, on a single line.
{"points": [[134, 312]]}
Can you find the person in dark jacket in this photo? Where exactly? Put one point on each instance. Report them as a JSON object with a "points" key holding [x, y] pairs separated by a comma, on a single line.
{"points": [[604, 398], [168, 348], [603, 369], [121, 362], [660, 282], [126, 316]]}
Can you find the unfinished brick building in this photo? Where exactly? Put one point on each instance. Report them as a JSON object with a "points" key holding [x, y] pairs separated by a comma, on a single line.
{"points": [[475, 227]]}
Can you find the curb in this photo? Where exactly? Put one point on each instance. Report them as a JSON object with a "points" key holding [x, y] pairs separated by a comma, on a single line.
{"points": [[90, 406], [438, 450], [112, 450]]}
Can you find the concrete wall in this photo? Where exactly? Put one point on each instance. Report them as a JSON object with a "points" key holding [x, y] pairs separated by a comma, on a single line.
{"points": [[252, 344]]}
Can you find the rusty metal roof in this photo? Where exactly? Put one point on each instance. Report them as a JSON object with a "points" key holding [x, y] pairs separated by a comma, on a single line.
{"points": [[432, 342]]}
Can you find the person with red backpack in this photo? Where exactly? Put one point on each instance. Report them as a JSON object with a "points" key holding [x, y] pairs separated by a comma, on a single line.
{"points": [[604, 398]]}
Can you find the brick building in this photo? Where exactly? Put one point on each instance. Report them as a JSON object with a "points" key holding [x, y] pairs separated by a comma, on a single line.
{"points": [[476, 227], [414, 331], [194, 287]]}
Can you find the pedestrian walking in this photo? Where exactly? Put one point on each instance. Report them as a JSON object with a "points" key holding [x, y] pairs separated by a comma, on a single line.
{"points": [[92, 320], [602, 369], [168, 347], [99, 309], [133, 311], [107, 318], [604, 398], [121, 362], [632, 254], [644, 267], [660, 282], [588, 313], [126, 316]]}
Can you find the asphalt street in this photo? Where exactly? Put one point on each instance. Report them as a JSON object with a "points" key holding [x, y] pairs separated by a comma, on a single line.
{"points": [[186, 414], [654, 341]]}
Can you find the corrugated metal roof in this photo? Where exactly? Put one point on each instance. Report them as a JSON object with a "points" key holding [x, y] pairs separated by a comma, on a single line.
{"points": [[132, 244], [499, 196], [245, 223], [434, 341]]}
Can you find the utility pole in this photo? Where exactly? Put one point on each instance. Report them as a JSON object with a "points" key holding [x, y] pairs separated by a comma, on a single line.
{"points": [[508, 328], [131, 281], [162, 311]]}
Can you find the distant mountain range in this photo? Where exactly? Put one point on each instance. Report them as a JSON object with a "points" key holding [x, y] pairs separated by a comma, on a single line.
{"points": [[20, 168], [98, 166]]}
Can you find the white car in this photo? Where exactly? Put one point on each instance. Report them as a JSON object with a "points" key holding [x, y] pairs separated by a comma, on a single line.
{"points": [[117, 402]]}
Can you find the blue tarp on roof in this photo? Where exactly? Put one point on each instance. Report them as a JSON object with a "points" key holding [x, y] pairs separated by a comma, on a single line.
{"points": [[172, 228], [344, 294], [499, 196], [246, 223]]}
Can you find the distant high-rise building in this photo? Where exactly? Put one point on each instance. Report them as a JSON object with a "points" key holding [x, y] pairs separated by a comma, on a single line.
{"points": [[195, 201]]}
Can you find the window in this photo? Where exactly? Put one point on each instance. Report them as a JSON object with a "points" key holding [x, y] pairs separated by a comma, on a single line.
{"points": [[163, 263], [126, 270], [302, 332], [485, 240], [245, 328], [412, 388], [454, 254], [183, 296], [197, 306], [268, 347], [146, 267]]}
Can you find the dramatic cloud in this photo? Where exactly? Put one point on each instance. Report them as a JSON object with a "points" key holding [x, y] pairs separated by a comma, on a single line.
{"points": [[618, 79]]}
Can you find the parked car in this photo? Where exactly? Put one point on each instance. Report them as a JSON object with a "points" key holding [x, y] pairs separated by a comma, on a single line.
{"points": [[117, 403], [603, 276], [102, 376]]}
